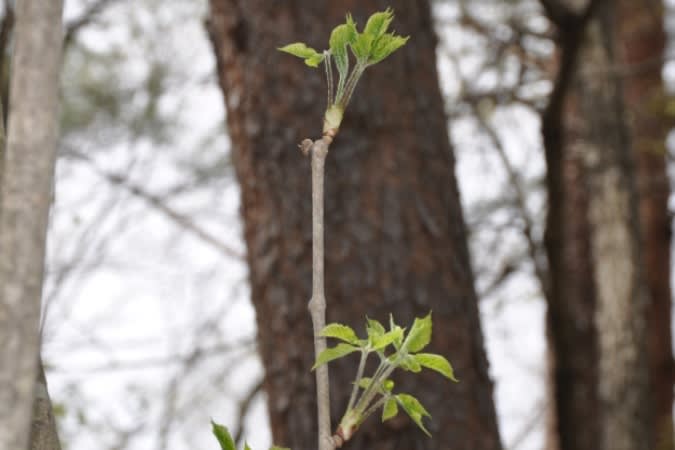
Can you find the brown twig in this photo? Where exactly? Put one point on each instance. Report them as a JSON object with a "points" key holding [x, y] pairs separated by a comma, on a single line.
{"points": [[317, 305]]}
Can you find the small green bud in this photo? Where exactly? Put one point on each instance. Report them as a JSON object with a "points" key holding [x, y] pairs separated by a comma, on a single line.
{"points": [[332, 119]]}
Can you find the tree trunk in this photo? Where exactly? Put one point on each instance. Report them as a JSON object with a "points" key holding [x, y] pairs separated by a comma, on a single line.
{"points": [[395, 236], [594, 132], [571, 333], [570, 328], [623, 375], [26, 194], [642, 41]]}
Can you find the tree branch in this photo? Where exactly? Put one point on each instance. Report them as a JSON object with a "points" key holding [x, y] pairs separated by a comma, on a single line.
{"points": [[317, 305], [160, 205]]}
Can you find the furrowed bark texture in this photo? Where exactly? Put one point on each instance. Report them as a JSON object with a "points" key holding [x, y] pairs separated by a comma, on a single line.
{"points": [[641, 38], [395, 237], [615, 243], [26, 194], [619, 411]]}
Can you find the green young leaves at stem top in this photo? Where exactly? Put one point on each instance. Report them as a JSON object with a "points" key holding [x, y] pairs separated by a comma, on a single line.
{"points": [[341, 37], [301, 50], [419, 335], [375, 44], [368, 47]]}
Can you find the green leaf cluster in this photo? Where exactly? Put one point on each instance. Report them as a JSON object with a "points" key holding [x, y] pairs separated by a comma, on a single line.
{"points": [[368, 47], [396, 348], [375, 44], [225, 440]]}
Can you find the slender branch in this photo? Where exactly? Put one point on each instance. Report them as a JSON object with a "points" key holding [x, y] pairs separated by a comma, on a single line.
{"points": [[374, 407], [244, 408], [359, 374], [317, 305], [159, 204], [329, 78], [373, 389], [534, 247], [351, 85]]}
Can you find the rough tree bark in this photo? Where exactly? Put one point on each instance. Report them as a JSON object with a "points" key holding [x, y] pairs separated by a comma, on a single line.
{"points": [[26, 194], [641, 39], [395, 236], [620, 315], [596, 130]]}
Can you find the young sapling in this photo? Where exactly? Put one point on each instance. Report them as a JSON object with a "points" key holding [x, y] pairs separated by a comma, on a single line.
{"points": [[394, 348]]}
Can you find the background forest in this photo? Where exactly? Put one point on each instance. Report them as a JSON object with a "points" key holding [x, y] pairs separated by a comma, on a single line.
{"points": [[178, 260]]}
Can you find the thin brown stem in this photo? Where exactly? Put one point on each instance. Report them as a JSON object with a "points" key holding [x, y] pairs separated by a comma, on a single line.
{"points": [[317, 305]]}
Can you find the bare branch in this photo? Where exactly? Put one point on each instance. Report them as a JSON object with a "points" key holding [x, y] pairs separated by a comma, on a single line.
{"points": [[244, 407], [160, 205], [246, 345]]}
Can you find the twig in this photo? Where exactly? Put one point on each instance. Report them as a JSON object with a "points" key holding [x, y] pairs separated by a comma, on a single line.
{"points": [[160, 205], [244, 407], [317, 304]]}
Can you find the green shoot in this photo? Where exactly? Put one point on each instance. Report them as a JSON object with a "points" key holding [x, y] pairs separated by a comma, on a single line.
{"points": [[368, 47], [395, 349]]}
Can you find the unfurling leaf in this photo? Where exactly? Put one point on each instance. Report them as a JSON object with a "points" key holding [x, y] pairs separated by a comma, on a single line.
{"points": [[385, 46], [332, 353], [361, 47], [246, 447], [392, 326], [414, 409], [419, 335], [315, 60], [375, 44], [437, 363], [390, 409], [374, 328], [378, 23], [342, 36], [301, 50], [342, 332], [223, 435]]}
